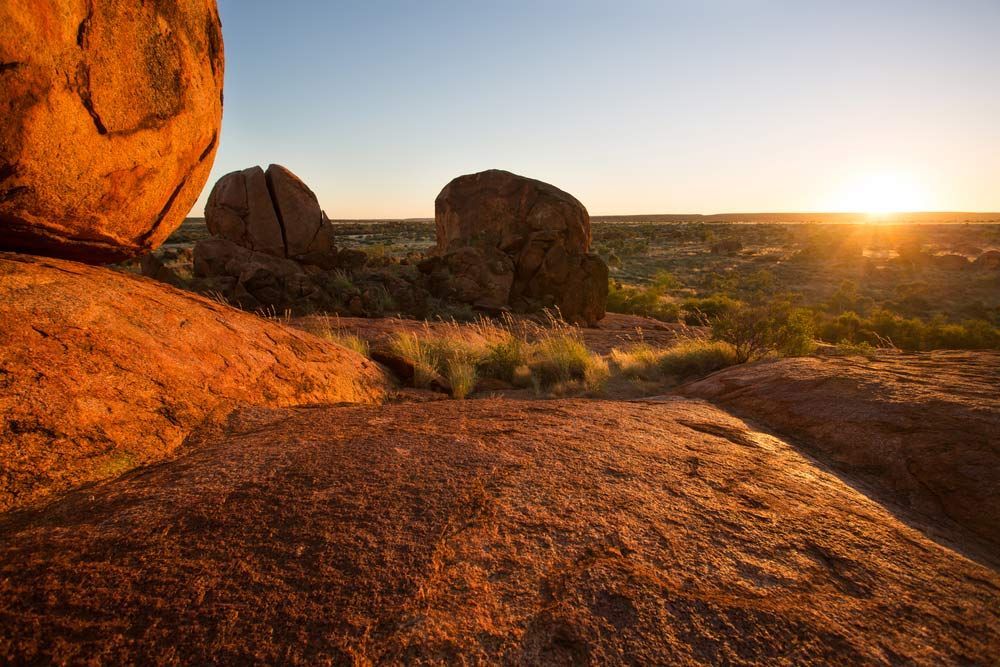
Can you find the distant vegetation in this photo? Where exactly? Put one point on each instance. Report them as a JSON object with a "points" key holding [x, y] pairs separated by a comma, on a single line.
{"points": [[915, 287], [909, 286]]}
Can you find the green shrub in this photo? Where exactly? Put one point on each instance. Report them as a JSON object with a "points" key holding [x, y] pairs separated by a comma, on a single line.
{"points": [[704, 310], [503, 357], [755, 331], [645, 301], [664, 280]]}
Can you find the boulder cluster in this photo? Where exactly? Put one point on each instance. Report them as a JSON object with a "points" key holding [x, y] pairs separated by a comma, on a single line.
{"points": [[110, 124], [504, 242]]}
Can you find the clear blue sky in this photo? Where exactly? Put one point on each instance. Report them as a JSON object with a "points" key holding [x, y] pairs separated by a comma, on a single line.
{"points": [[632, 106]]}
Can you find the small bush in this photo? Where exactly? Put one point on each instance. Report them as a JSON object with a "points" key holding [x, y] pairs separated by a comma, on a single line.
{"points": [[849, 349], [340, 281], [596, 375], [639, 362], [645, 301], [503, 357], [703, 310], [755, 331], [324, 328]]}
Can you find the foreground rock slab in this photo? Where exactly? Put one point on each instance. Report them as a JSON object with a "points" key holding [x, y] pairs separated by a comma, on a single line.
{"points": [[921, 430], [101, 371], [110, 122], [546, 532]]}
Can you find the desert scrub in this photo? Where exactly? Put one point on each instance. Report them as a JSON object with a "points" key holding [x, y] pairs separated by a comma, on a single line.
{"points": [[450, 351], [559, 357], [755, 331], [646, 301], [638, 362], [560, 362], [340, 281], [524, 354], [352, 342]]}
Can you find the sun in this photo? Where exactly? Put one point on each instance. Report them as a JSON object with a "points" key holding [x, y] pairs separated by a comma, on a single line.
{"points": [[881, 193]]}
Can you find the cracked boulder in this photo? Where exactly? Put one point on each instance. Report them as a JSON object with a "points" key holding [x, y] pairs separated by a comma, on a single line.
{"points": [[270, 212], [543, 231], [110, 122]]}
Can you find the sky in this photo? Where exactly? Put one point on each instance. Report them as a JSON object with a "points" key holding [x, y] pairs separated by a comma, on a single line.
{"points": [[706, 106]]}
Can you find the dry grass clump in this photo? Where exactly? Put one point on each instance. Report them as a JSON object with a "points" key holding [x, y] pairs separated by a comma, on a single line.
{"points": [[684, 360], [411, 346], [323, 328], [560, 360], [697, 357], [461, 375], [550, 357]]}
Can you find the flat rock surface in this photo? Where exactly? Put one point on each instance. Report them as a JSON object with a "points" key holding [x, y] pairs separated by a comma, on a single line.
{"points": [[101, 371], [921, 430], [555, 532]]}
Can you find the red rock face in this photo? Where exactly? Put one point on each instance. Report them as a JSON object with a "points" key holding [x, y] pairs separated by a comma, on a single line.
{"points": [[112, 110], [565, 532], [90, 383], [918, 429], [545, 232]]}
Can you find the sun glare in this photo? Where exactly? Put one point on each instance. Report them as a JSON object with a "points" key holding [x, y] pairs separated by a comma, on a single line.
{"points": [[882, 193]]}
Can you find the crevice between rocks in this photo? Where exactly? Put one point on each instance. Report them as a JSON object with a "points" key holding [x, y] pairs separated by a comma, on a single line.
{"points": [[277, 209]]}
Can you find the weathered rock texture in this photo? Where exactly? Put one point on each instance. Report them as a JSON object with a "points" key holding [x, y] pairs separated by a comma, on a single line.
{"points": [[271, 212], [566, 532], [110, 118], [101, 371], [919, 429], [544, 231]]}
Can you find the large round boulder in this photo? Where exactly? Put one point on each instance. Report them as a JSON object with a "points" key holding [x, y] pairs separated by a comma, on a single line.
{"points": [[110, 122], [543, 230]]}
